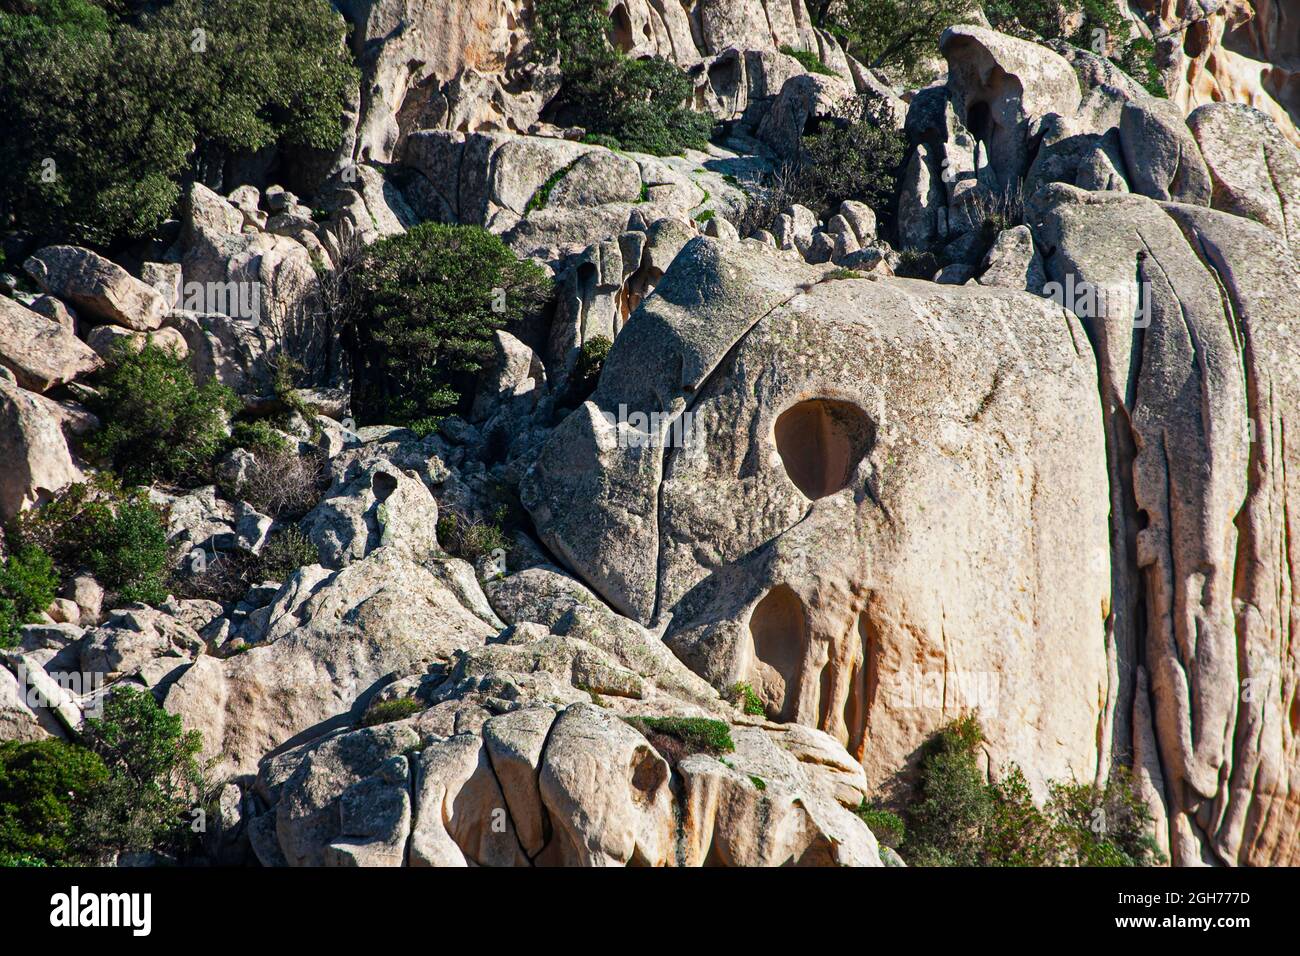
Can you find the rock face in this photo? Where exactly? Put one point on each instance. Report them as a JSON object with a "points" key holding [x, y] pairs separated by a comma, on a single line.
{"points": [[96, 287], [39, 351], [1255, 171], [1198, 372], [782, 537], [1240, 51], [37, 462], [330, 639], [511, 765]]}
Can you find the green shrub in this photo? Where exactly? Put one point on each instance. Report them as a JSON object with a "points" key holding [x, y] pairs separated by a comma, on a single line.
{"points": [[257, 436], [27, 587], [285, 552], [638, 105], [45, 787], [128, 552], [1096, 25], [387, 711], [849, 159], [424, 306], [119, 536], [116, 103], [1104, 826], [157, 422], [887, 826], [748, 699], [916, 264], [154, 778], [472, 540], [587, 369], [539, 199], [957, 819], [809, 61], [898, 37], [697, 734]]}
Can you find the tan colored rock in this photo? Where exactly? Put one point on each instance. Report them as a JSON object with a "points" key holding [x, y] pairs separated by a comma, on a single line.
{"points": [[1255, 171], [329, 637], [607, 793], [37, 463], [463, 817], [96, 287], [1195, 394], [772, 553], [40, 352]]}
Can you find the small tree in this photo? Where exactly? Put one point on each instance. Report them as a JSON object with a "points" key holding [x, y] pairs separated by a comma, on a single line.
{"points": [[154, 777], [423, 309], [45, 786], [635, 104], [120, 536], [117, 102], [896, 36], [27, 585], [158, 422], [853, 158]]}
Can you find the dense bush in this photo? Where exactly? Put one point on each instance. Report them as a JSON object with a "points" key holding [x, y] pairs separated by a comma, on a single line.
{"points": [[960, 820], [128, 789], [157, 422], [809, 61], [154, 778], [898, 37], [676, 737], [119, 536], [586, 371], [257, 436], [887, 826], [850, 159], [45, 787], [472, 540], [118, 102], [27, 586], [1098, 25], [640, 105], [422, 311], [387, 711]]}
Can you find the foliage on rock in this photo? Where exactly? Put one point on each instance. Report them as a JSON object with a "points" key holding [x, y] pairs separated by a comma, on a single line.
{"points": [[128, 788], [958, 819], [635, 104], [46, 787], [119, 535], [119, 103], [158, 422], [422, 312], [27, 585]]}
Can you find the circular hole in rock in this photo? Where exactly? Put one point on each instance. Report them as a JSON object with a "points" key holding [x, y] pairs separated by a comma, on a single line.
{"points": [[821, 442]]}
